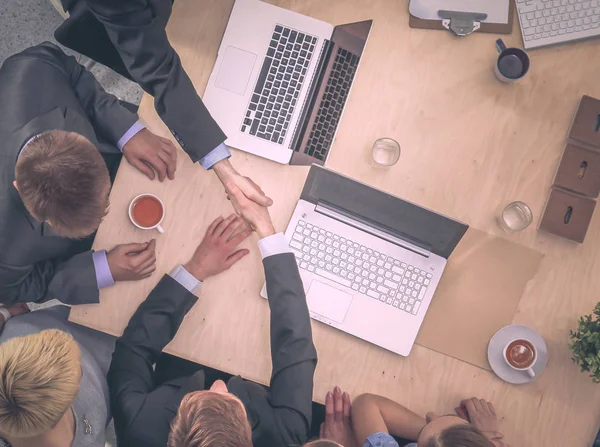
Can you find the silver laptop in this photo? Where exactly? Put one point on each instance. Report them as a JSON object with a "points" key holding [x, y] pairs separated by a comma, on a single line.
{"points": [[370, 262], [551, 22], [281, 81]]}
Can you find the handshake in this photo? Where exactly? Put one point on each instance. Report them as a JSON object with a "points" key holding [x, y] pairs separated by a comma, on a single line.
{"points": [[216, 253]]}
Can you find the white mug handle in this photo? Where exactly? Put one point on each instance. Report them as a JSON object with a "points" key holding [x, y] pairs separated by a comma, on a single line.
{"points": [[531, 372], [160, 229]]}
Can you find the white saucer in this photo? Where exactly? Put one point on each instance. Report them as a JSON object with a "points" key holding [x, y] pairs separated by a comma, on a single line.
{"points": [[496, 353]]}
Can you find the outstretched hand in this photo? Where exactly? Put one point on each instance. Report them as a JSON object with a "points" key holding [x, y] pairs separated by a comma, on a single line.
{"points": [[217, 251], [242, 191], [256, 215]]}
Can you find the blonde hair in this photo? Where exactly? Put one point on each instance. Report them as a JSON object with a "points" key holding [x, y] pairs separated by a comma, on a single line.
{"points": [[210, 419], [40, 375], [463, 435], [323, 443]]}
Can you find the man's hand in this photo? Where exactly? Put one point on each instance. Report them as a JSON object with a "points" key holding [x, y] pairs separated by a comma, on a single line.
{"points": [[482, 415], [131, 262], [231, 178], [216, 253], [338, 426], [148, 153], [256, 215]]}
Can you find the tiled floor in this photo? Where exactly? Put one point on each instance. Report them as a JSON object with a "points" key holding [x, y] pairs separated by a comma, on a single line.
{"points": [[24, 23]]}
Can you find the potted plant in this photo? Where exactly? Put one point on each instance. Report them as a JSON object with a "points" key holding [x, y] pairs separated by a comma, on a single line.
{"points": [[585, 344]]}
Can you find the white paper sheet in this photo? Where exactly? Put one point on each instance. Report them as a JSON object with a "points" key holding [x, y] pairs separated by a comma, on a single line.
{"points": [[497, 10]]}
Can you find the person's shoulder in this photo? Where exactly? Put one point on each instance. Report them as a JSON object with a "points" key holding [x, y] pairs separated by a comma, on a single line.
{"points": [[381, 439], [45, 51]]}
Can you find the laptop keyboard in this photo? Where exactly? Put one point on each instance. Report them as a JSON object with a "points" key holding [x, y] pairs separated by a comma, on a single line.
{"points": [[333, 100], [279, 83], [359, 268]]}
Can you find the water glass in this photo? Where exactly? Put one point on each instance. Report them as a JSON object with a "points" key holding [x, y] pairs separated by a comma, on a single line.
{"points": [[386, 152], [516, 217]]}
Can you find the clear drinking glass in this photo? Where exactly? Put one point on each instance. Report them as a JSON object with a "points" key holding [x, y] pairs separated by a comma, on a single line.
{"points": [[516, 217], [386, 152]]}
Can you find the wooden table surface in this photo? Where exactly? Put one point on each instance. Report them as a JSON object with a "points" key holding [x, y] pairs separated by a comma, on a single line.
{"points": [[470, 145]]}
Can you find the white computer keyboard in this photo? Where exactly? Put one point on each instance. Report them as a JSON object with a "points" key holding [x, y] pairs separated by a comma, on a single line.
{"points": [[549, 22], [359, 268]]}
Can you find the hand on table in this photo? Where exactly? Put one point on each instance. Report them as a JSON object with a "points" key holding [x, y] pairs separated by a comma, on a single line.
{"points": [[338, 426], [217, 251], [482, 415], [131, 262], [148, 153]]}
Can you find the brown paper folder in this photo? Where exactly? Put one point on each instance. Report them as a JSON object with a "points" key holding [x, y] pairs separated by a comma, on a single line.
{"points": [[496, 28], [479, 294]]}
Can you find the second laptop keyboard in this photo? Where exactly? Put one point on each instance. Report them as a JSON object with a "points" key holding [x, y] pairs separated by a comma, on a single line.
{"points": [[548, 22], [359, 268]]}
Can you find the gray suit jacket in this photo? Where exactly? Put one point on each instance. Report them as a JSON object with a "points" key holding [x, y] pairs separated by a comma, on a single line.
{"points": [[129, 36], [279, 416], [44, 89]]}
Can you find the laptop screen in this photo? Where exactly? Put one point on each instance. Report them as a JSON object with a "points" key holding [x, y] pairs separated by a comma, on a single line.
{"points": [[423, 227]]}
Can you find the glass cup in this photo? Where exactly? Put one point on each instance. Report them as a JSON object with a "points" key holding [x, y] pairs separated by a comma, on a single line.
{"points": [[516, 217], [385, 152]]}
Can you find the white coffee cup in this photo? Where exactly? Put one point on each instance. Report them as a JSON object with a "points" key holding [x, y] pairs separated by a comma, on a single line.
{"points": [[528, 365], [156, 225]]}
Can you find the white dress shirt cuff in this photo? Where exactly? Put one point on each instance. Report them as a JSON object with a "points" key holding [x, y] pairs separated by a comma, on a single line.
{"points": [[103, 273], [273, 245], [132, 132], [216, 155], [5, 313], [185, 278]]}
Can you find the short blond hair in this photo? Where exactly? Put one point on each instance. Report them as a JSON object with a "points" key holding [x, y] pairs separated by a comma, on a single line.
{"points": [[210, 419], [323, 443], [39, 379]]}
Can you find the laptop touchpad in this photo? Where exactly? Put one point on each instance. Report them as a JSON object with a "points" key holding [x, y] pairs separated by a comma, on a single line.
{"points": [[328, 301], [236, 69]]}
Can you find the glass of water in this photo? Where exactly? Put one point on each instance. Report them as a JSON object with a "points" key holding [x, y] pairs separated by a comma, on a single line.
{"points": [[516, 217], [386, 152]]}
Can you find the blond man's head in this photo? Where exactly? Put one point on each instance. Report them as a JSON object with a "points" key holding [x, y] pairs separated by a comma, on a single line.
{"points": [[40, 375], [210, 419]]}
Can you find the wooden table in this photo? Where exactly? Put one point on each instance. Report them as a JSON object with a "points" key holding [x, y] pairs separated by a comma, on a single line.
{"points": [[469, 145]]}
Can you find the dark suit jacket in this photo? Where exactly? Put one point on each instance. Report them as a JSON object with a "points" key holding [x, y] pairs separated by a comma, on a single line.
{"points": [[279, 416], [129, 36], [43, 89]]}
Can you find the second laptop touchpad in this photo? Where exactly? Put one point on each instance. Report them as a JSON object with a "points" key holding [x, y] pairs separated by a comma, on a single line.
{"points": [[236, 69], [328, 301]]}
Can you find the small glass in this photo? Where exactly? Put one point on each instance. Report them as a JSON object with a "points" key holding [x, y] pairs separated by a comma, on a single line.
{"points": [[516, 217], [385, 152]]}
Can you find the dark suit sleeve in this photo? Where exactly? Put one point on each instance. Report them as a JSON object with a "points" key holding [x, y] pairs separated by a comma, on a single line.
{"points": [[292, 349], [138, 33], [108, 117], [72, 281], [151, 328]]}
